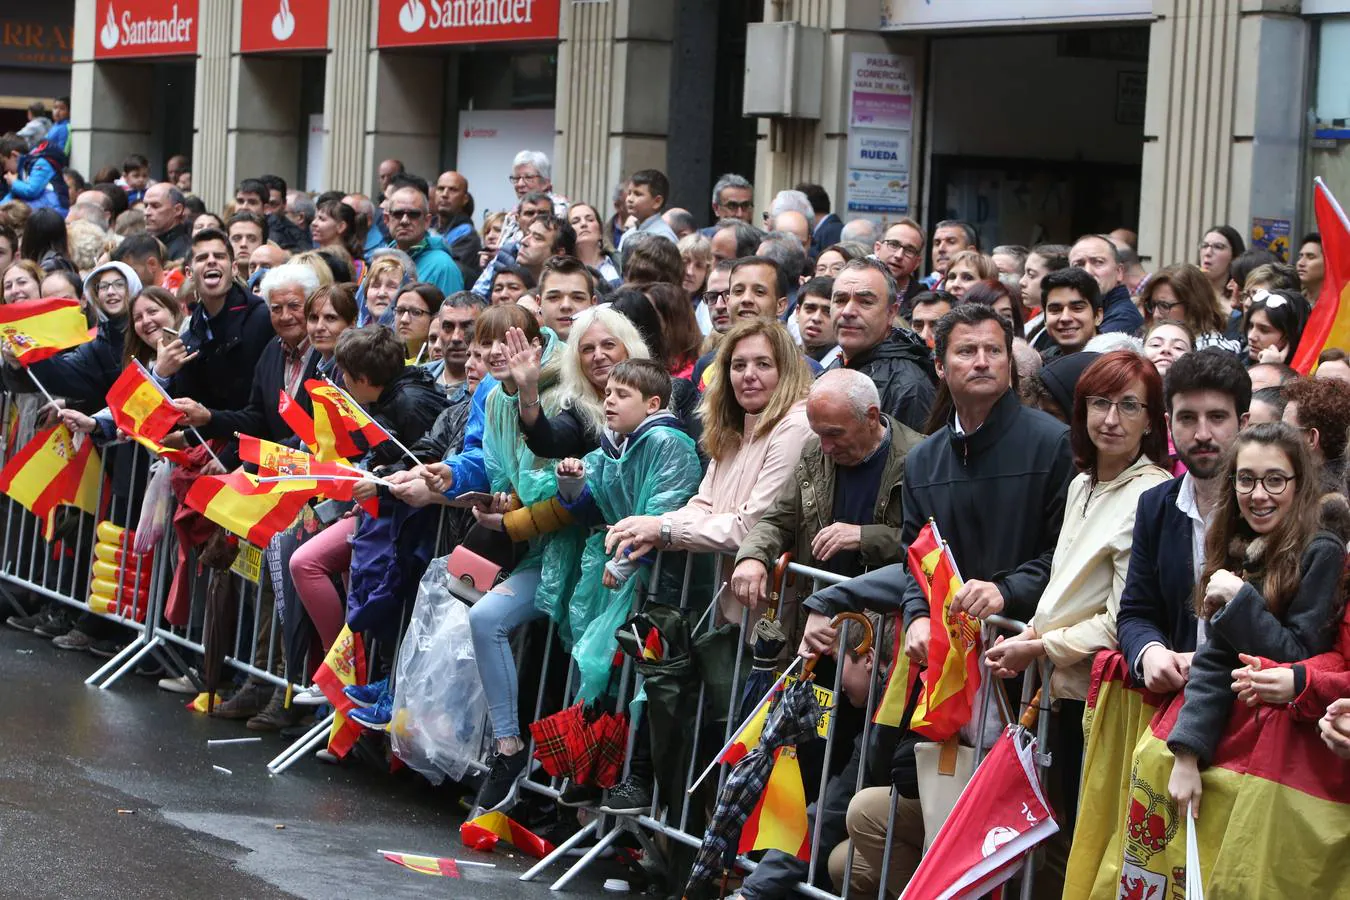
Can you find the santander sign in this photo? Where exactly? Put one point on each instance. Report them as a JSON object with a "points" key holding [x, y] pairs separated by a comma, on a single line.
{"points": [[404, 23], [282, 25], [145, 28]]}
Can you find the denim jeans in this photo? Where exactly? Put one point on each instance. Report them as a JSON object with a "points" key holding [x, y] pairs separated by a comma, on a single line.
{"points": [[492, 619]]}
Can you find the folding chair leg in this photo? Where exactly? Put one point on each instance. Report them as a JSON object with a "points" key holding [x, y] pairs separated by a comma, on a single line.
{"points": [[561, 850]]}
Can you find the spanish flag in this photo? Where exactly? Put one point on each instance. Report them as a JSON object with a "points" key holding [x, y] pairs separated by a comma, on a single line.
{"points": [[50, 471], [484, 832], [34, 330], [178, 457], [344, 666], [1274, 811], [255, 512], [953, 674], [337, 418], [899, 686], [273, 459], [427, 865], [1329, 324], [747, 738], [299, 421], [778, 821], [139, 407]]}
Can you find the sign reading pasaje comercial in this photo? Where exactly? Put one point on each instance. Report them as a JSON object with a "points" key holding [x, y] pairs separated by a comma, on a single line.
{"points": [[412, 23], [278, 25], [904, 15], [128, 28]]}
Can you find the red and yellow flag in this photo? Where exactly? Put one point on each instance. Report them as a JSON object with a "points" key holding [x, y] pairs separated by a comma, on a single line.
{"points": [[747, 738], [34, 330], [953, 674], [177, 457], [485, 831], [295, 417], [255, 512], [139, 407], [344, 666], [899, 686], [337, 418], [1329, 324], [1274, 811], [50, 471], [778, 821], [427, 865]]}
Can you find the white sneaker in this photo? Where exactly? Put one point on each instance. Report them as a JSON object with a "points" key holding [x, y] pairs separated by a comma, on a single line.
{"points": [[181, 685], [310, 696]]}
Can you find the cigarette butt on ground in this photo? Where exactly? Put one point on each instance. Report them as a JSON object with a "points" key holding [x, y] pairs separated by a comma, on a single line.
{"points": [[222, 770], [279, 827], [126, 812]]}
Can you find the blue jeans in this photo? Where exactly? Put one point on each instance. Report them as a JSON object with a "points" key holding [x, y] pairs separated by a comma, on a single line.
{"points": [[491, 620]]}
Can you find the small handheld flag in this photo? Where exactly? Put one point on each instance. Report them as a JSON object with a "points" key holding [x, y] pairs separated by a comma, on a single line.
{"points": [[34, 330]]}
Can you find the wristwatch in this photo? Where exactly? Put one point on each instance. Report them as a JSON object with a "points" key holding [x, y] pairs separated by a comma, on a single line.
{"points": [[665, 532]]}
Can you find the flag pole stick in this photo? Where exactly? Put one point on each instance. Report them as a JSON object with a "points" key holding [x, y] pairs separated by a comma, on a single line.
{"points": [[342, 465], [352, 401], [193, 428], [38, 385], [758, 706]]}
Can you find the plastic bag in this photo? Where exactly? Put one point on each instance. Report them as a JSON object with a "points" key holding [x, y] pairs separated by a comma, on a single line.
{"points": [[155, 508], [439, 726]]}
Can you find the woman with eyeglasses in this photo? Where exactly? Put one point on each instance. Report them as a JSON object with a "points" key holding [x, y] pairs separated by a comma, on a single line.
{"points": [[1119, 439], [1274, 325], [1270, 588], [1182, 293], [414, 308]]}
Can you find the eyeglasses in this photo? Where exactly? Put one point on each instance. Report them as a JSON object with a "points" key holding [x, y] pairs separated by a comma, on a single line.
{"points": [[738, 205], [1167, 305], [1273, 482], [898, 247], [1215, 246], [117, 284], [1129, 408], [517, 179], [712, 298], [411, 312], [411, 214]]}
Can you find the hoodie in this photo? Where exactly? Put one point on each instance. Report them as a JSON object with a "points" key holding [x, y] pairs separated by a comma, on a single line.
{"points": [[1060, 377], [901, 366]]}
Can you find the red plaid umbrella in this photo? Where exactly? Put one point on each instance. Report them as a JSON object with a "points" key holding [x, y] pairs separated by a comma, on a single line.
{"points": [[586, 746]]}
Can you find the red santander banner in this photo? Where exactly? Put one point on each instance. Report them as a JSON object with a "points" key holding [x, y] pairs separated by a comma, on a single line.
{"points": [[272, 25], [413, 23], [129, 28]]}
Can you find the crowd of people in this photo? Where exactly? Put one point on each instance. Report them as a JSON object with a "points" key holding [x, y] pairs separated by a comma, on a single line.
{"points": [[1122, 459]]}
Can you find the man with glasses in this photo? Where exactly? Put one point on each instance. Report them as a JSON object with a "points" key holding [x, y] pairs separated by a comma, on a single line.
{"points": [[713, 312], [531, 173], [1207, 395], [733, 197], [901, 249], [535, 207], [409, 217]]}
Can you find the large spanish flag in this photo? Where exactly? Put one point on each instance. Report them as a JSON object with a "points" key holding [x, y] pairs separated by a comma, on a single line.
{"points": [[255, 512], [344, 666], [1274, 813], [1329, 324], [953, 675], [337, 419], [34, 330], [778, 821], [139, 407], [50, 471]]}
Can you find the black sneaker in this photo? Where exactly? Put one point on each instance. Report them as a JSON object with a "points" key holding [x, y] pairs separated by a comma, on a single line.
{"points": [[107, 648], [54, 622], [503, 781], [633, 797], [26, 623], [578, 795]]}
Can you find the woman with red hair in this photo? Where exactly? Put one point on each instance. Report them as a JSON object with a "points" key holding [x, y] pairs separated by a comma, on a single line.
{"points": [[1119, 438]]}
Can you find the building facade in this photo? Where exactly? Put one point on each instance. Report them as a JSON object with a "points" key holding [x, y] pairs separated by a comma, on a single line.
{"points": [[1033, 119]]}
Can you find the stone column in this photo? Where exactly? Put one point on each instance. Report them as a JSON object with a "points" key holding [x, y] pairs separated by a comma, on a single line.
{"points": [[217, 79], [350, 36]]}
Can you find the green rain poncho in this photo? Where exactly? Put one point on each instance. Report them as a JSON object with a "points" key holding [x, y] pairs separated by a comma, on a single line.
{"points": [[511, 467], [656, 471]]}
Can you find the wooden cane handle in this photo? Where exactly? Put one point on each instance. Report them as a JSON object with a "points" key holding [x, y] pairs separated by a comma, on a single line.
{"points": [[865, 642], [780, 575]]}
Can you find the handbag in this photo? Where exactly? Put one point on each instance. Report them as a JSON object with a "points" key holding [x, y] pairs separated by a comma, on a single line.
{"points": [[472, 576], [944, 770]]}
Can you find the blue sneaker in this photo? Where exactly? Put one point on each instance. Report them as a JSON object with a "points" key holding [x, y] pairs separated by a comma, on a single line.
{"points": [[366, 695], [377, 717]]}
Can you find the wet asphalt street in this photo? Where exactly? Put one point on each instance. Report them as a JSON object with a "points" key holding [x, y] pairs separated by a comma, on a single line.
{"points": [[72, 756]]}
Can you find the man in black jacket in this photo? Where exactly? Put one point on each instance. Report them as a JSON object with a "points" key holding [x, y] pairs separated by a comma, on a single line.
{"points": [[454, 223], [863, 305], [1207, 397], [164, 211], [994, 481], [227, 332]]}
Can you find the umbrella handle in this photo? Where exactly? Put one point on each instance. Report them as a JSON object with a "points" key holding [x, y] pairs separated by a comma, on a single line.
{"points": [[781, 576], [1032, 712], [864, 643]]}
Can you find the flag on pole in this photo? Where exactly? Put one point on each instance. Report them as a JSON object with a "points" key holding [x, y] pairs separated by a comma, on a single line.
{"points": [[953, 675], [35, 330], [50, 470], [297, 420], [139, 407], [899, 686], [427, 865], [747, 738], [344, 666], [255, 512], [485, 831], [778, 821], [337, 419], [1329, 324], [177, 457]]}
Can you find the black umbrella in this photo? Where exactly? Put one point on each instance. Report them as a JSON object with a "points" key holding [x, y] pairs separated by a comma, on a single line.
{"points": [[770, 638], [791, 721], [222, 606], [658, 640]]}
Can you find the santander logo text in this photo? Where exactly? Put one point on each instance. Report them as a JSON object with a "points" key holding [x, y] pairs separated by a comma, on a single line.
{"points": [[412, 15], [128, 32], [283, 23]]}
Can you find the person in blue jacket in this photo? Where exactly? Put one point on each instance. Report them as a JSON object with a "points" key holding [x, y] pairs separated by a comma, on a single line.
{"points": [[34, 176], [409, 219]]}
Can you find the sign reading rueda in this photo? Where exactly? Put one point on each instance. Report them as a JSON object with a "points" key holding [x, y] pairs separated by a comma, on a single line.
{"points": [[270, 25], [145, 28], [406, 23]]}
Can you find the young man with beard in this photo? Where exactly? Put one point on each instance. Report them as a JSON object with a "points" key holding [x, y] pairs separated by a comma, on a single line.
{"points": [[1207, 395]]}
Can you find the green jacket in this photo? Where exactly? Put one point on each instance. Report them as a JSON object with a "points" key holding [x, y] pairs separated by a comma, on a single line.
{"points": [[806, 503]]}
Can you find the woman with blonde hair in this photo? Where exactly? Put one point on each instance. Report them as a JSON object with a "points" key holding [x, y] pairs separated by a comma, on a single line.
{"points": [[697, 256], [491, 233], [968, 268], [385, 277], [1182, 293]]}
